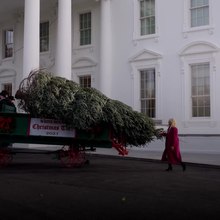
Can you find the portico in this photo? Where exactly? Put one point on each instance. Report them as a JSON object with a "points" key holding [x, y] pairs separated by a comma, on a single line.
{"points": [[61, 57]]}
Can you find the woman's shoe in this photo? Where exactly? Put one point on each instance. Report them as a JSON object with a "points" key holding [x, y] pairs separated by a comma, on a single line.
{"points": [[183, 166], [170, 168]]}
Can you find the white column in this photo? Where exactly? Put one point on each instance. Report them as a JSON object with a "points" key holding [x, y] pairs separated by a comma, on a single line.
{"points": [[106, 49], [63, 61], [31, 36]]}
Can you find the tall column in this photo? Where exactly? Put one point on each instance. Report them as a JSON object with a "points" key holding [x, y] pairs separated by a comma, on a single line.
{"points": [[106, 49], [31, 36], [63, 61]]}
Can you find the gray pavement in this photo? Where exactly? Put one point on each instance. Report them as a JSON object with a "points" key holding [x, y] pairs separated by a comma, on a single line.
{"points": [[135, 186], [198, 150], [37, 187]]}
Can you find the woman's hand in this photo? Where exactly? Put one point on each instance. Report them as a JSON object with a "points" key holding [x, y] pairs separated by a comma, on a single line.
{"points": [[163, 133]]}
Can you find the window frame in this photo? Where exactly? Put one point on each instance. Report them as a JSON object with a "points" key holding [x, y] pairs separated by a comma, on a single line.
{"points": [[146, 18], [75, 29], [85, 29], [137, 26], [197, 53], [195, 9], [144, 89], [187, 20], [43, 37], [146, 59], [5, 44], [199, 96], [87, 78], [8, 76], [8, 87]]}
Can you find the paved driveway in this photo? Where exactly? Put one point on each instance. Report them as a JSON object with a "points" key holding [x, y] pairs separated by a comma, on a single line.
{"points": [[37, 187]]}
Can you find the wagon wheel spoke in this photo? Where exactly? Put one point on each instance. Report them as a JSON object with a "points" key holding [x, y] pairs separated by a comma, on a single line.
{"points": [[72, 157]]}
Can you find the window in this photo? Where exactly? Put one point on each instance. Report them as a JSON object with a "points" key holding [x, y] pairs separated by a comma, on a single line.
{"points": [[199, 84], [7, 87], [44, 36], [199, 12], [147, 17], [8, 43], [85, 28], [200, 78], [85, 81], [148, 98]]}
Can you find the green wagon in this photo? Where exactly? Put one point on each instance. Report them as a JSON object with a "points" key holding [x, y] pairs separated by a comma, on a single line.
{"points": [[22, 128]]}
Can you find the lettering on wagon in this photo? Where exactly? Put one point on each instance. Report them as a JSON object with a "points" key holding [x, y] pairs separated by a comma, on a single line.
{"points": [[49, 127], [6, 124], [45, 127]]}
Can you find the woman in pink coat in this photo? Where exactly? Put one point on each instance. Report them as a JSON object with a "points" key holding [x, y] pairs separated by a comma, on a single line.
{"points": [[171, 153]]}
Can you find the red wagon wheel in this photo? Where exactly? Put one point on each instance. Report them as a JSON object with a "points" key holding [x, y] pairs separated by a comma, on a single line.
{"points": [[5, 157], [72, 157]]}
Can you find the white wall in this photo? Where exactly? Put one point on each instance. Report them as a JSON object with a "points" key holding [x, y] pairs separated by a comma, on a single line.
{"points": [[173, 35], [166, 51]]}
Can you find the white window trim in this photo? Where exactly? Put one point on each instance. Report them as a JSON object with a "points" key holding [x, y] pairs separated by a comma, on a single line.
{"points": [[84, 66], [2, 58], [146, 99], [145, 59], [84, 72], [8, 76], [76, 32], [47, 52], [136, 33], [187, 20], [192, 55]]}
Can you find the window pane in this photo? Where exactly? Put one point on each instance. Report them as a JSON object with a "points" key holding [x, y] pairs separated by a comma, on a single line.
{"points": [[44, 37], [8, 88], [199, 12], [147, 17], [194, 90], [207, 111], [200, 90], [85, 28], [199, 3], [194, 112], [8, 39], [147, 92], [85, 81], [147, 8]]}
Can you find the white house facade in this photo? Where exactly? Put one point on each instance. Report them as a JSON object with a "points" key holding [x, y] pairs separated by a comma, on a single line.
{"points": [[161, 57]]}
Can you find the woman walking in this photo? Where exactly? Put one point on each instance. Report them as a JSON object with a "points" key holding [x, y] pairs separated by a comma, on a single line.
{"points": [[171, 152]]}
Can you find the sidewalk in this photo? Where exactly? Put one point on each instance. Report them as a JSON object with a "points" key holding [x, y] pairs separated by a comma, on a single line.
{"points": [[192, 151], [198, 150]]}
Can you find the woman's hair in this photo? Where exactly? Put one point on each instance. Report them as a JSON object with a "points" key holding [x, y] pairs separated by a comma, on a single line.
{"points": [[172, 122]]}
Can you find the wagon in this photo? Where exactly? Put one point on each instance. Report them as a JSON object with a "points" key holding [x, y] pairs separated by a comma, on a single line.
{"points": [[22, 128]]}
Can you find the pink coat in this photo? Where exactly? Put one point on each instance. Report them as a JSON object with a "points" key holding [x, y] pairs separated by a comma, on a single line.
{"points": [[173, 156]]}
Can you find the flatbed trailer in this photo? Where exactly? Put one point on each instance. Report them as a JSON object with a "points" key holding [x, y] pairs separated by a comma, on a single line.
{"points": [[22, 128]]}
